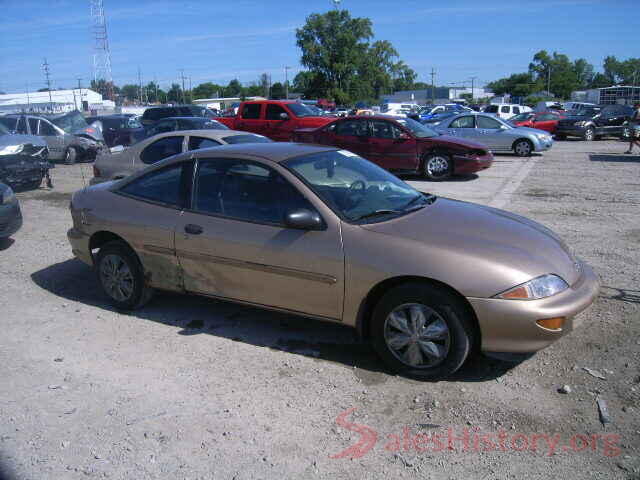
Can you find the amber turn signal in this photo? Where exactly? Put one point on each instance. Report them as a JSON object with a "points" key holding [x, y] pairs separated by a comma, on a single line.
{"points": [[555, 323]]}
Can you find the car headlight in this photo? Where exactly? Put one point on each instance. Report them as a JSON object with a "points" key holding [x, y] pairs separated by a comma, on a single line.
{"points": [[580, 124], [540, 287], [11, 149], [7, 196], [542, 136]]}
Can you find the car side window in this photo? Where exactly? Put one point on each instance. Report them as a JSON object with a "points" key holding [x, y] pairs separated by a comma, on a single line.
{"points": [[33, 126], [357, 128], [251, 111], [504, 109], [165, 126], [382, 129], [516, 110], [196, 143], [274, 111], [46, 129], [245, 191], [463, 122], [188, 125], [161, 149], [488, 123], [166, 185], [546, 117]]}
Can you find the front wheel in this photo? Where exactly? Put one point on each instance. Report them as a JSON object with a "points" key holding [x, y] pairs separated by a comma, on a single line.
{"points": [[437, 166], [523, 148], [121, 276], [589, 134], [70, 156], [422, 331]]}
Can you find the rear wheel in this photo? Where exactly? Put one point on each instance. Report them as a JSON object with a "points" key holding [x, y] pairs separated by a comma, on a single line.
{"points": [[437, 166], [523, 148], [70, 156], [121, 276], [422, 331]]}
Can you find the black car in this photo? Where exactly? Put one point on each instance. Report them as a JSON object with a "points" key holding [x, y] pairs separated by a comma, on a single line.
{"points": [[119, 129], [23, 160], [592, 123], [173, 124], [10, 214], [152, 114]]}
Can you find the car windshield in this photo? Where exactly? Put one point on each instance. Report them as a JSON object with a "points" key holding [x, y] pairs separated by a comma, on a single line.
{"points": [[301, 110], [491, 109], [249, 138], [417, 128], [521, 117], [354, 188], [70, 122], [133, 122]]}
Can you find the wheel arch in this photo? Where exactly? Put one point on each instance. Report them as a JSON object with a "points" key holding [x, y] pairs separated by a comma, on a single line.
{"points": [[102, 237], [528, 140], [365, 311]]}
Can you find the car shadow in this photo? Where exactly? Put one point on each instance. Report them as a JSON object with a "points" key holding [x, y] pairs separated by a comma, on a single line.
{"points": [[614, 157], [621, 294], [194, 315], [6, 243], [455, 178]]}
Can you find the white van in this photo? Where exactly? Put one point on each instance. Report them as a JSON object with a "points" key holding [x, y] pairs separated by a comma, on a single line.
{"points": [[387, 107], [506, 110]]}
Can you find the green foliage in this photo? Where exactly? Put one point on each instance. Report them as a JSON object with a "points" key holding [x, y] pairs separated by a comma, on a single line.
{"points": [[342, 63]]}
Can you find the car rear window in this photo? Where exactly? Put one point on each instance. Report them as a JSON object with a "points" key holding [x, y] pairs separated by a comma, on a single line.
{"points": [[491, 109], [251, 138]]}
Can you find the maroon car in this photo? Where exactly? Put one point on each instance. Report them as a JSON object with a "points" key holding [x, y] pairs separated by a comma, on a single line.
{"points": [[402, 145]]}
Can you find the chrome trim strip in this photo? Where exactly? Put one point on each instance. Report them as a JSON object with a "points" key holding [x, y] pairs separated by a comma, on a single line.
{"points": [[161, 250], [289, 272]]}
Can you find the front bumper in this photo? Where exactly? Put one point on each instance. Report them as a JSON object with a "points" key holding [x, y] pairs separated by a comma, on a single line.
{"points": [[510, 325], [10, 219], [80, 245], [543, 145], [465, 165]]}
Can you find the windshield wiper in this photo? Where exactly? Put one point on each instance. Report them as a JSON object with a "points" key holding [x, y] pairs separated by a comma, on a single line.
{"points": [[376, 213]]}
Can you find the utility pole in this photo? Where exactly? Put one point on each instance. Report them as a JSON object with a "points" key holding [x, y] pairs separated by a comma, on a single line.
{"points": [[28, 99], [80, 92], [182, 77], [139, 86], [155, 84], [433, 85], [286, 82], [45, 67], [190, 92], [549, 80], [473, 79]]}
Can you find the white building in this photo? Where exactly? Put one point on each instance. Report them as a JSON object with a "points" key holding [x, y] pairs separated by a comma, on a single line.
{"points": [[60, 101], [621, 94]]}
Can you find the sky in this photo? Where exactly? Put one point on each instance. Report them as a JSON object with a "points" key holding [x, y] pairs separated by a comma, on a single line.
{"points": [[218, 40]]}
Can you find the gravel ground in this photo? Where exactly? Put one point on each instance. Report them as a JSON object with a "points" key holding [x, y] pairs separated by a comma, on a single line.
{"points": [[191, 388]]}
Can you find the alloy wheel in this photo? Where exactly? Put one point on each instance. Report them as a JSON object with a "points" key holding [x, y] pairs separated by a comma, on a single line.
{"points": [[437, 166], [116, 277], [417, 335], [523, 148]]}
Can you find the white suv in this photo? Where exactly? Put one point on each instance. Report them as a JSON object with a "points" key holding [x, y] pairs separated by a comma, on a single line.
{"points": [[506, 110]]}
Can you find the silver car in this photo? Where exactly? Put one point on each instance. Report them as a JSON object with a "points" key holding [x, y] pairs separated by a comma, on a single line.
{"points": [[496, 134], [68, 136], [119, 162]]}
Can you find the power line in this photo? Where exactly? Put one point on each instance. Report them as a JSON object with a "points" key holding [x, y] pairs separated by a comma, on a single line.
{"points": [[433, 85], [101, 52]]}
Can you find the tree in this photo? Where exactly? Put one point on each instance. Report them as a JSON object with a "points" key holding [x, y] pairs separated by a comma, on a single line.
{"points": [[584, 72], [277, 91], [518, 84], [207, 90], [264, 83], [555, 70], [234, 89], [130, 92], [174, 95]]}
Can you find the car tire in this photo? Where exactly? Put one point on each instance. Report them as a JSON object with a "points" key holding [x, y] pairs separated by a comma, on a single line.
{"points": [[437, 166], [70, 156], [433, 350], [121, 276], [523, 147], [589, 134]]}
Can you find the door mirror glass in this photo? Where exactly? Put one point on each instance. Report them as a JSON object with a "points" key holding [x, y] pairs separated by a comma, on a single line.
{"points": [[284, 116], [303, 219]]}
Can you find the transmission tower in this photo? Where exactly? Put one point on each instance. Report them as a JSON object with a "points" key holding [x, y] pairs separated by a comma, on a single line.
{"points": [[101, 53], [45, 68]]}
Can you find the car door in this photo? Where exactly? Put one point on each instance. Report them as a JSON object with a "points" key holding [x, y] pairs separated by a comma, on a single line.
{"points": [[250, 118], [232, 242], [146, 216], [391, 147], [50, 134], [491, 133], [275, 127], [160, 149], [463, 126], [350, 134], [546, 122]]}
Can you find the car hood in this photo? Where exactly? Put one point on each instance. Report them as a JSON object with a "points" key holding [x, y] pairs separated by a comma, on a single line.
{"points": [[314, 122], [447, 140], [486, 239]]}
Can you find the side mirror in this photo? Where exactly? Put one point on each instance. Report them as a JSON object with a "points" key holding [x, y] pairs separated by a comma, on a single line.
{"points": [[303, 219], [403, 137], [284, 116]]}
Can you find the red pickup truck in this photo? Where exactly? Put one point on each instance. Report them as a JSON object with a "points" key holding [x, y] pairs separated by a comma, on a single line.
{"points": [[276, 119]]}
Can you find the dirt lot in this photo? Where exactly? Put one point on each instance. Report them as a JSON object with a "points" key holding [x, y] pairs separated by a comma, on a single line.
{"points": [[191, 388]]}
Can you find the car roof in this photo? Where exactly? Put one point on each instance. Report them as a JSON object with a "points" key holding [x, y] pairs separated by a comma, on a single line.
{"points": [[275, 152], [202, 119]]}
